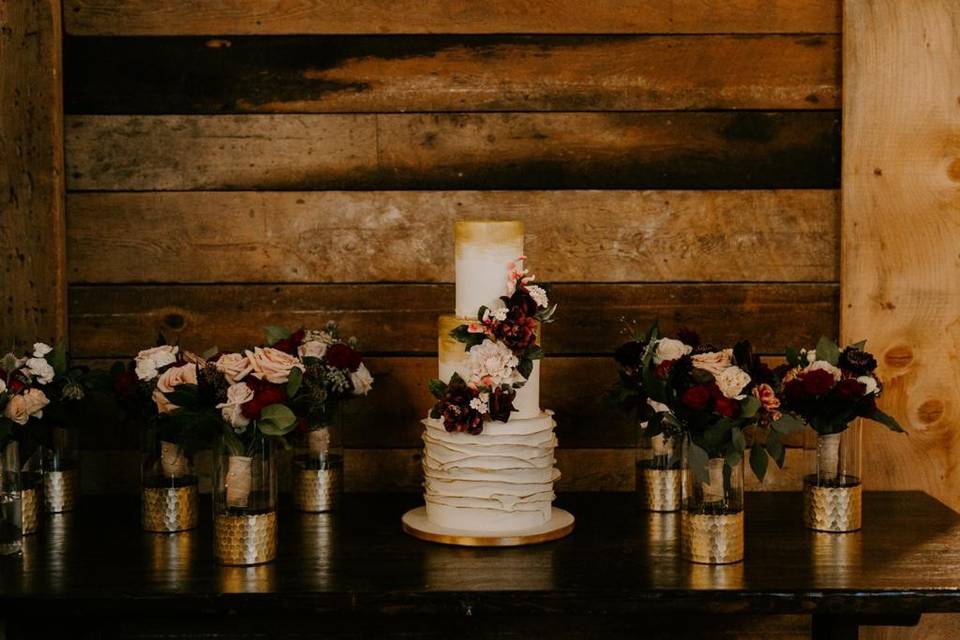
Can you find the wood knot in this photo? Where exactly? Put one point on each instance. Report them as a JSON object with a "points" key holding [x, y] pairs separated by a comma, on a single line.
{"points": [[898, 356], [930, 411], [217, 43], [174, 321], [953, 170]]}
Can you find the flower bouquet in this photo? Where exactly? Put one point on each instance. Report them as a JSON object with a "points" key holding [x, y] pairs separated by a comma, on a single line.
{"points": [[166, 390], [333, 372], [833, 391], [713, 397]]}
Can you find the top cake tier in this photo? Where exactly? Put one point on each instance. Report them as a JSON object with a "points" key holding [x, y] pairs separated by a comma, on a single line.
{"points": [[485, 252]]}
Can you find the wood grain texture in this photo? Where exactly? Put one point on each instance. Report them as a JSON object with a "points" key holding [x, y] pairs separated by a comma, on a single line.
{"points": [[900, 274], [184, 17], [454, 151], [32, 262], [120, 320], [404, 236], [449, 73]]}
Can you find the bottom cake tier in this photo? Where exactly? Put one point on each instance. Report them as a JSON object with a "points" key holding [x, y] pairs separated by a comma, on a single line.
{"points": [[499, 480]]}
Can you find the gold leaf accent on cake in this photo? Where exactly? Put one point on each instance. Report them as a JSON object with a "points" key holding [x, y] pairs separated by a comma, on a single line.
{"points": [[487, 233]]}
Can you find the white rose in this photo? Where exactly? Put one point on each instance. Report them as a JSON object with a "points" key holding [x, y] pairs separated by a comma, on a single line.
{"points": [[492, 364], [170, 380], [871, 383], [40, 349], [234, 366], [659, 407], [30, 403], [313, 349], [40, 369], [237, 395], [670, 349], [714, 362], [362, 381], [731, 381], [311, 335], [3, 385], [826, 366], [272, 365], [149, 361]]}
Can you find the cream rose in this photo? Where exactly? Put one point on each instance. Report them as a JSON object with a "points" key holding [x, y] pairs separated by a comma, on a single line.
{"points": [[149, 361], [170, 380], [29, 404], [3, 385], [713, 362], [825, 366], [40, 349], [670, 349], [312, 349], [362, 381], [659, 407], [731, 381], [40, 369], [237, 395], [272, 365], [492, 364], [870, 383], [234, 367]]}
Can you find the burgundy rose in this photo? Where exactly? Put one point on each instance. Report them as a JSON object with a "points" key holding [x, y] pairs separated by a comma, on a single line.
{"points": [[501, 404], [630, 354], [688, 336], [698, 397], [264, 395], [727, 407], [340, 356], [663, 369], [455, 410], [857, 361], [795, 391], [850, 389], [817, 382], [16, 385], [125, 384], [291, 343]]}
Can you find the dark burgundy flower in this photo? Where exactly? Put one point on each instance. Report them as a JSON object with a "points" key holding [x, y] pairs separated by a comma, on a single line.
{"points": [[341, 356], [292, 343], [727, 407], [501, 404], [629, 354], [858, 362], [518, 331], [521, 301], [795, 391], [455, 410], [264, 395], [663, 369], [125, 384], [850, 389], [817, 382], [698, 397]]}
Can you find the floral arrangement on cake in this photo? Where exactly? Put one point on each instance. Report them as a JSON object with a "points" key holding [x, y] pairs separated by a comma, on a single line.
{"points": [[829, 388], [712, 396], [502, 344]]}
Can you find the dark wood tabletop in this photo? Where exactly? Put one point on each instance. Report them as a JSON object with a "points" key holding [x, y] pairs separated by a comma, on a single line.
{"points": [[906, 560]]}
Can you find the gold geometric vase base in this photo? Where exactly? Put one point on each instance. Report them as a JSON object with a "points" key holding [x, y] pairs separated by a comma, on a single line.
{"points": [[61, 490], [31, 507], [416, 524], [832, 509], [660, 489], [245, 540], [318, 490], [170, 509], [712, 539]]}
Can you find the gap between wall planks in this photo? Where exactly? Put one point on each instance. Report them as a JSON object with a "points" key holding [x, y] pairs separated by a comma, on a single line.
{"points": [[900, 273], [32, 255], [186, 17]]}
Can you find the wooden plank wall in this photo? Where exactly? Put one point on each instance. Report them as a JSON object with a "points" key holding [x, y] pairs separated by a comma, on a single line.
{"points": [[229, 167]]}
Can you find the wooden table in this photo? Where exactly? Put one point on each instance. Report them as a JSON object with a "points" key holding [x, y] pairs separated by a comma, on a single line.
{"points": [[619, 573]]}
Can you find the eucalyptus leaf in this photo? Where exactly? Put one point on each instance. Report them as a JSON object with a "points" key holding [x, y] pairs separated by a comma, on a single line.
{"points": [[788, 423], [828, 350], [209, 353], [733, 458], [738, 439], [294, 381], [698, 460], [276, 420], [775, 448], [749, 406], [58, 359], [793, 356], [758, 461], [276, 333]]}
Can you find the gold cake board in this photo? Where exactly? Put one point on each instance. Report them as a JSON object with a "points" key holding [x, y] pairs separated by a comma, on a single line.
{"points": [[416, 524]]}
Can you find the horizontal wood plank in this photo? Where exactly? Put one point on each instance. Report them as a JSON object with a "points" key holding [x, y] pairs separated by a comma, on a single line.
{"points": [[449, 73], [795, 149], [187, 17], [400, 236], [120, 320]]}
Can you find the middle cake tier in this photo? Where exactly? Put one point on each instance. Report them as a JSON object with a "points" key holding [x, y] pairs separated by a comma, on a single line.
{"points": [[455, 359]]}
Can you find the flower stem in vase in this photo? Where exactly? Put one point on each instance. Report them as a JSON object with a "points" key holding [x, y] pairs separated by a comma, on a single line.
{"points": [[238, 481], [173, 461], [829, 471], [318, 442], [662, 446], [713, 491]]}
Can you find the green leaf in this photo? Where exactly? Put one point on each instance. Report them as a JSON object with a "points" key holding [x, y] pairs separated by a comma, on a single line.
{"points": [[462, 334], [788, 424], [793, 356], [480, 313], [275, 334], [733, 458], [231, 441], [58, 359], [758, 461], [437, 388], [859, 346], [533, 352], [186, 395], [828, 350], [209, 353], [525, 368], [738, 439], [294, 382], [886, 420], [698, 460], [276, 420], [775, 448], [749, 406]]}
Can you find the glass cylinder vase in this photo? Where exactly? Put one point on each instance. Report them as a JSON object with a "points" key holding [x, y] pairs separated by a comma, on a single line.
{"points": [[11, 516], [245, 503], [31, 483], [318, 467], [169, 487], [61, 470], [711, 522], [658, 471], [833, 490]]}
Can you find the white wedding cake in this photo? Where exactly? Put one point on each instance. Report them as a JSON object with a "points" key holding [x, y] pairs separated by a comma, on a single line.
{"points": [[489, 469]]}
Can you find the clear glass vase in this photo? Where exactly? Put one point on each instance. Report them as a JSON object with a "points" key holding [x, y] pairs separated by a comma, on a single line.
{"points": [[61, 470], [832, 491], [658, 471], [711, 524], [11, 516], [169, 487], [245, 503], [318, 466]]}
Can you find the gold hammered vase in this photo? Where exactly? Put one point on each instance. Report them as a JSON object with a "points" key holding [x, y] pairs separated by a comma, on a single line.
{"points": [[170, 509], [318, 466], [31, 505], [318, 490], [659, 489], [245, 539], [833, 493], [711, 539], [61, 489], [711, 523], [832, 509]]}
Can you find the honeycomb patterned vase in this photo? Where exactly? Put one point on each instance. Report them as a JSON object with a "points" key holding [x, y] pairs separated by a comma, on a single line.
{"points": [[246, 539], [170, 509], [317, 491], [660, 489], [712, 539], [61, 490], [31, 505], [832, 509]]}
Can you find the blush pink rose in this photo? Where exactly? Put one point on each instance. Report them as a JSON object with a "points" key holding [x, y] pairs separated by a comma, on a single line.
{"points": [[272, 365]]}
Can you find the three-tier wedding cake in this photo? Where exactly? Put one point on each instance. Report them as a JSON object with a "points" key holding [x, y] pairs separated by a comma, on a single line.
{"points": [[488, 459]]}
